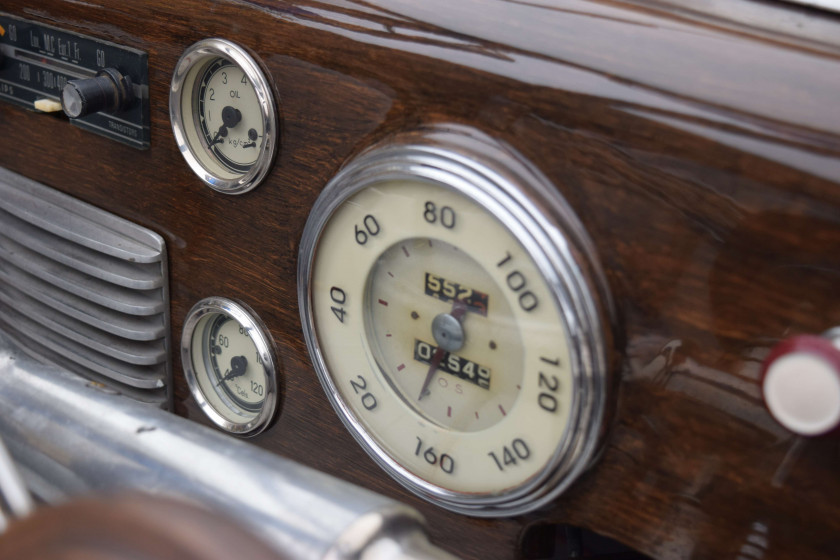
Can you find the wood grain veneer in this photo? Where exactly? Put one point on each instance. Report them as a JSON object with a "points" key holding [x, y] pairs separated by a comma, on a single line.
{"points": [[702, 156]]}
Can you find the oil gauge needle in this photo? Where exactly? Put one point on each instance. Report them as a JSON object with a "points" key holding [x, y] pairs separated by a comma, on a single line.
{"points": [[458, 310], [252, 135], [230, 118], [219, 135]]}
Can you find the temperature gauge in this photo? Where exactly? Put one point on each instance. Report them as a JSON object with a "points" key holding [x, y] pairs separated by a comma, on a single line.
{"points": [[223, 116], [230, 365]]}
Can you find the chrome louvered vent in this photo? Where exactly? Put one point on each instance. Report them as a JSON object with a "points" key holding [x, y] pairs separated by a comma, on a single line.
{"points": [[84, 289]]}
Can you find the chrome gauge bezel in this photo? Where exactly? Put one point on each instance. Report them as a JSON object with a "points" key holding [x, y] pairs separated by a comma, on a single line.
{"points": [[501, 190], [182, 115], [244, 316]]}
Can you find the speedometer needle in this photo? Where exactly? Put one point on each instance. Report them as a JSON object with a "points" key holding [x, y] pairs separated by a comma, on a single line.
{"points": [[458, 310]]}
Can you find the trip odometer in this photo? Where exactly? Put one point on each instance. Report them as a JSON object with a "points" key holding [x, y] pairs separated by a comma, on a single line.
{"points": [[452, 308]]}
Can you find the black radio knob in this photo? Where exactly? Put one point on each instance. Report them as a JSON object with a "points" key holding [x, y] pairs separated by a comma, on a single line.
{"points": [[109, 91]]}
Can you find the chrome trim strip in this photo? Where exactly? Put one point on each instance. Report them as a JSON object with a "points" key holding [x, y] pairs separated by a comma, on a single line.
{"points": [[81, 223], [829, 5], [84, 288], [15, 500]]}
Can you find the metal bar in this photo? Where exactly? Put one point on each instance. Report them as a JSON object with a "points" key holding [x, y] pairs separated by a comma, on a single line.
{"points": [[72, 437], [15, 500]]}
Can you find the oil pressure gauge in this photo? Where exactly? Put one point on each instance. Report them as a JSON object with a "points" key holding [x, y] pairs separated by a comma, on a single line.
{"points": [[223, 115], [229, 363], [455, 314]]}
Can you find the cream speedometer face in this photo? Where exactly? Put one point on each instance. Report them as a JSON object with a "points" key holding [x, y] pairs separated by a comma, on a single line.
{"points": [[446, 334], [450, 347]]}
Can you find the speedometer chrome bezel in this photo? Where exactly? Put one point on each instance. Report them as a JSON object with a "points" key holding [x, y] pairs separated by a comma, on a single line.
{"points": [[523, 200], [245, 317], [182, 117]]}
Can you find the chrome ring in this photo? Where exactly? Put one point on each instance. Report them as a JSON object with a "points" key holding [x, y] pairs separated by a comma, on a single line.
{"points": [[262, 341], [185, 131]]}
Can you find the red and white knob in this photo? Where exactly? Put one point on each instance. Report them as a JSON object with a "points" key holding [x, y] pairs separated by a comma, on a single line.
{"points": [[801, 384]]}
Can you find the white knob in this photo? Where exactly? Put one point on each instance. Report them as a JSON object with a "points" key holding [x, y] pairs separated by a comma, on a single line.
{"points": [[801, 385]]}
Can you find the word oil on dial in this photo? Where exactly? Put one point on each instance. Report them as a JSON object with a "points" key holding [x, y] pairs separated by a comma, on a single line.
{"points": [[438, 325]]}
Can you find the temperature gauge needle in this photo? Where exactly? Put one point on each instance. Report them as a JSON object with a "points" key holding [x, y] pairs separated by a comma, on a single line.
{"points": [[238, 365], [459, 308]]}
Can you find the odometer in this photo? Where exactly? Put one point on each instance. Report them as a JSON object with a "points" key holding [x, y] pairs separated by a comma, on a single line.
{"points": [[453, 325]]}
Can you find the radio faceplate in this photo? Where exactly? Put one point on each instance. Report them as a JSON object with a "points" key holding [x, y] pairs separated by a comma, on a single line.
{"points": [[37, 61]]}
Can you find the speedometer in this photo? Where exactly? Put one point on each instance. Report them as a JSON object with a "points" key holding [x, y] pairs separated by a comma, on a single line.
{"points": [[453, 311]]}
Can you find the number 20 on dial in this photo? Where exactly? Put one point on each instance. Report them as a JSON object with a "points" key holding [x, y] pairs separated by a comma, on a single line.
{"points": [[452, 333]]}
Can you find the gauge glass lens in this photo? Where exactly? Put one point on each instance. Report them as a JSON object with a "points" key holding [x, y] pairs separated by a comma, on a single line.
{"points": [[433, 308], [228, 115], [229, 365], [231, 359], [441, 337], [223, 116]]}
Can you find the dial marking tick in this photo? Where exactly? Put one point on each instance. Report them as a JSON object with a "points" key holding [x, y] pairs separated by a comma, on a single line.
{"points": [[390, 274], [405, 251], [383, 302], [503, 410], [449, 411], [476, 415], [400, 367]]}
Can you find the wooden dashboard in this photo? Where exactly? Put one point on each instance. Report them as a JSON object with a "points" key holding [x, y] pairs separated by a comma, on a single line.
{"points": [[701, 153]]}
